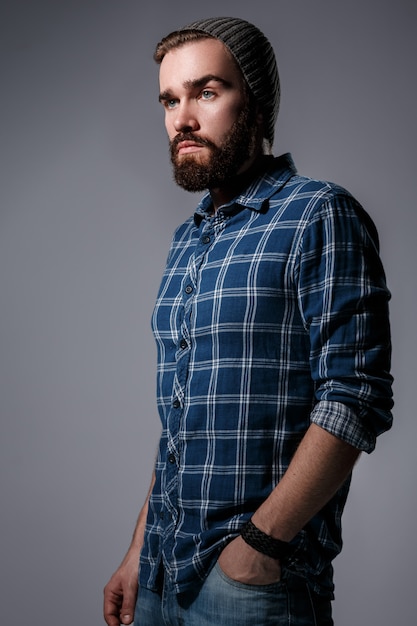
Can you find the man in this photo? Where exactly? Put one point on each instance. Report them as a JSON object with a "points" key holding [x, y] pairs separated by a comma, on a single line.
{"points": [[273, 356]]}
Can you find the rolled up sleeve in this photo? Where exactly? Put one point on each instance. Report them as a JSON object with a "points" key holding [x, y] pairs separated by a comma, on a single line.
{"points": [[343, 298]]}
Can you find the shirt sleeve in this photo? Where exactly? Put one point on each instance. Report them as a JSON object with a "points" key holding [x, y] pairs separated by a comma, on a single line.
{"points": [[343, 299]]}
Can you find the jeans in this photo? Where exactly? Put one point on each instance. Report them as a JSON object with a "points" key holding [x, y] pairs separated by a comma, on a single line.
{"points": [[222, 601]]}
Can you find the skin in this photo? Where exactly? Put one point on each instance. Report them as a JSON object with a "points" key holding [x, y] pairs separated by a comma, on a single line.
{"points": [[202, 92]]}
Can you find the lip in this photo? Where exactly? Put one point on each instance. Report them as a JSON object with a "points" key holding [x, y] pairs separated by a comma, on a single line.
{"points": [[188, 147]]}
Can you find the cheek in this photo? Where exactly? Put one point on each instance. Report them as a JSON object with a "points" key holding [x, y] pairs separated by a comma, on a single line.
{"points": [[223, 120], [169, 127]]}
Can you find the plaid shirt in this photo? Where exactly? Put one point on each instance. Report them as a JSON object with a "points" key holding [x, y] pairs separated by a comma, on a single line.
{"points": [[272, 314]]}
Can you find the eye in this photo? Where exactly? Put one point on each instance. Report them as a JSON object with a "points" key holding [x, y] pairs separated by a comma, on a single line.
{"points": [[171, 103], [168, 103], [207, 94]]}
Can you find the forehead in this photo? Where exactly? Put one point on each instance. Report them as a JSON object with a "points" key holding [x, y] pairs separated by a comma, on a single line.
{"points": [[195, 59]]}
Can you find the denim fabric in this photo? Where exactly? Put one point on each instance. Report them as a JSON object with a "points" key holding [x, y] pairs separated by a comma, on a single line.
{"points": [[225, 602]]}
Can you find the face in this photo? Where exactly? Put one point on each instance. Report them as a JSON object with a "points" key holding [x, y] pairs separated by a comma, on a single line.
{"points": [[210, 124]]}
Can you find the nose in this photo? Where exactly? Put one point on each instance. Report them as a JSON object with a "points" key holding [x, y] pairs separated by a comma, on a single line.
{"points": [[185, 119]]}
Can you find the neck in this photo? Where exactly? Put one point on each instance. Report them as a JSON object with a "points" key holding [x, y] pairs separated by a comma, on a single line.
{"points": [[229, 190]]}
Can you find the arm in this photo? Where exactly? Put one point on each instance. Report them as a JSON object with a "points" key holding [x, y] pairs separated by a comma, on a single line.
{"points": [[343, 300], [121, 590], [320, 466]]}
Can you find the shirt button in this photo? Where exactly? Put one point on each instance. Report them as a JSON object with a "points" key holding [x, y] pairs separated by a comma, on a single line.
{"points": [[188, 289], [183, 344], [176, 404], [171, 459], [206, 239]]}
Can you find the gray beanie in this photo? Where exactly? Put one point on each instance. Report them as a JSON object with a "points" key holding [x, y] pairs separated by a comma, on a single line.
{"points": [[255, 57]]}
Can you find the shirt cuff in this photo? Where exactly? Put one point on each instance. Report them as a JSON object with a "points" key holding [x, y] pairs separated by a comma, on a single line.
{"points": [[340, 420]]}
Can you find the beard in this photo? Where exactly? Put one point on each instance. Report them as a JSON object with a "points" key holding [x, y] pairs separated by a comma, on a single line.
{"points": [[223, 162]]}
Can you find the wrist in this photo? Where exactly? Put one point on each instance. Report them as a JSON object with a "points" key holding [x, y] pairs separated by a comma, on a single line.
{"points": [[264, 543]]}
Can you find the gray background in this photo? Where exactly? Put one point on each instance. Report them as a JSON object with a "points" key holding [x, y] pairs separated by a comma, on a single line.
{"points": [[86, 214]]}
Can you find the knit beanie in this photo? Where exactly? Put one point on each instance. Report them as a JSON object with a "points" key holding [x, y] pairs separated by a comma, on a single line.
{"points": [[255, 57]]}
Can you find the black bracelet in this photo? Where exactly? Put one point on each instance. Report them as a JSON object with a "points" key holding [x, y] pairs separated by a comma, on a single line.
{"points": [[260, 541]]}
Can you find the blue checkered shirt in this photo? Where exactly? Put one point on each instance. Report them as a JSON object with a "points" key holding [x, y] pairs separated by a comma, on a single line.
{"points": [[272, 314]]}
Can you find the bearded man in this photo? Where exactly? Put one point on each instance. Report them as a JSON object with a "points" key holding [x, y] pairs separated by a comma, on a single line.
{"points": [[271, 325]]}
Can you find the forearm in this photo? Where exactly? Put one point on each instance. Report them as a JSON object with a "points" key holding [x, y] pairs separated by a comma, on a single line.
{"points": [[320, 466], [121, 590], [138, 534]]}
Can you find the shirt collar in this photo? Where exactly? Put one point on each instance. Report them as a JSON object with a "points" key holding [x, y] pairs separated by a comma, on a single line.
{"points": [[277, 172]]}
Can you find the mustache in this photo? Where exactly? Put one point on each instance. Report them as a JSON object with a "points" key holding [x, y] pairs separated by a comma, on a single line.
{"points": [[190, 137]]}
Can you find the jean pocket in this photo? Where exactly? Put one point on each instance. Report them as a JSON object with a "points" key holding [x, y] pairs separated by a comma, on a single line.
{"points": [[269, 587]]}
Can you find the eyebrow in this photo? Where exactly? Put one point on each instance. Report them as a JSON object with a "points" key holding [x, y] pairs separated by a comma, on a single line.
{"points": [[197, 83]]}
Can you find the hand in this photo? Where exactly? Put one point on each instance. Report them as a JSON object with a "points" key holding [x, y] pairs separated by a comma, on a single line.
{"points": [[121, 591], [244, 564]]}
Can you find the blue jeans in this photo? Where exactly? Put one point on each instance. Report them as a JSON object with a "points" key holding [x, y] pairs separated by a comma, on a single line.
{"points": [[222, 601]]}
